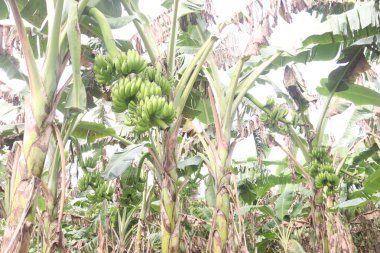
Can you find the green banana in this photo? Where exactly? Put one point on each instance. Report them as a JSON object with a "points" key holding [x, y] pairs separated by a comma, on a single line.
{"points": [[128, 63], [123, 92], [149, 89], [104, 69]]}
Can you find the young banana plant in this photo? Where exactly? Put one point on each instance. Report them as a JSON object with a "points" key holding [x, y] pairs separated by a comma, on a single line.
{"points": [[218, 155]]}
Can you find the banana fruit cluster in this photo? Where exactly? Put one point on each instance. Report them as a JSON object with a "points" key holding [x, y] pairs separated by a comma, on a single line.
{"points": [[141, 91], [130, 62], [104, 69], [124, 91], [107, 69], [273, 118], [100, 187], [149, 90], [322, 170], [147, 106], [149, 112], [154, 74]]}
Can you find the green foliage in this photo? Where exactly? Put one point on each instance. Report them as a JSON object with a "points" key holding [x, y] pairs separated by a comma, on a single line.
{"points": [[34, 12], [186, 7], [122, 161], [92, 131], [357, 94]]}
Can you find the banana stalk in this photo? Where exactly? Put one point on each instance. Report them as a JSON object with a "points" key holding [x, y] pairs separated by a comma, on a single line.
{"points": [[77, 97], [143, 30], [146, 200], [222, 211], [76, 102], [170, 224], [106, 31], [173, 39]]}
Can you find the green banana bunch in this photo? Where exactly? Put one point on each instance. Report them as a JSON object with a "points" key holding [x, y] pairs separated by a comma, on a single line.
{"points": [[327, 167], [149, 89], [296, 120], [154, 74], [326, 179], [84, 182], [168, 113], [96, 180], [91, 197], [165, 84], [322, 170], [103, 192], [152, 111], [320, 154], [130, 118], [99, 186], [316, 168], [87, 163], [143, 96], [104, 69], [279, 113], [270, 103], [130, 62], [274, 116], [150, 73], [123, 92]]}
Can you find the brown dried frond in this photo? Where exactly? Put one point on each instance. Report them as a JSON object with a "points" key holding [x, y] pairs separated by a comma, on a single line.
{"points": [[254, 21]]}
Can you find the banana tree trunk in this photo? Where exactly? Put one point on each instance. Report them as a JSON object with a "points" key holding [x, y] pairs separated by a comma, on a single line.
{"points": [[170, 222], [222, 211], [141, 227], [331, 234], [319, 222], [28, 168], [339, 236], [25, 181]]}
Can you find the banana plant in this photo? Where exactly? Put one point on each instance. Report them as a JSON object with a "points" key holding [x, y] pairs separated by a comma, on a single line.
{"points": [[165, 143], [38, 130], [63, 42]]}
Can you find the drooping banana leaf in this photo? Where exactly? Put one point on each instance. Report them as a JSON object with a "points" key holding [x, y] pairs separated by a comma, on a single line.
{"points": [[324, 41], [361, 22], [121, 161]]}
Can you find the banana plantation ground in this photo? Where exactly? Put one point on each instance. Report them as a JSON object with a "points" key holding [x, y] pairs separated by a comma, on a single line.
{"points": [[189, 126]]}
